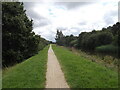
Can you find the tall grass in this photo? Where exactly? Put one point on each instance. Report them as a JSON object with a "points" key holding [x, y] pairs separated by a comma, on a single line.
{"points": [[107, 49]]}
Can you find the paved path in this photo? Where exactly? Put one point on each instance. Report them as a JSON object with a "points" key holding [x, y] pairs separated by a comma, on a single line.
{"points": [[54, 76]]}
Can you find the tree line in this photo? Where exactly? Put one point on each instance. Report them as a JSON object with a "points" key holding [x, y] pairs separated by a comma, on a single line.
{"points": [[19, 42], [105, 41]]}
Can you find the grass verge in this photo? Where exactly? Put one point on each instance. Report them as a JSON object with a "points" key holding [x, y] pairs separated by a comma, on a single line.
{"points": [[108, 61], [83, 73], [28, 74]]}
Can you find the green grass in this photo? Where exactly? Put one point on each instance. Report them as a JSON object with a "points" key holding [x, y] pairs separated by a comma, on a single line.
{"points": [[83, 73], [28, 74]]}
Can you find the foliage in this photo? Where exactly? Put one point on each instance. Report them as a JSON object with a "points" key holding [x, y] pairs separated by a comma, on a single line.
{"points": [[62, 40], [28, 74], [115, 30], [107, 49], [73, 43], [88, 41], [70, 41], [91, 40], [81, 72], [59, 38], [19, 41]]}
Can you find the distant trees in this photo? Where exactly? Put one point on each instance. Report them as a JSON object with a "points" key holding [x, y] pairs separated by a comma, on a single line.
{"points": [[100, 41], [62, 40], [18, 40], [70, 40], [59, 38], [90, 40]]}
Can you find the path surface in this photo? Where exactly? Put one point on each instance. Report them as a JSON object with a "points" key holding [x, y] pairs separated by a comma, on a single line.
{"points": [[54, 76]]}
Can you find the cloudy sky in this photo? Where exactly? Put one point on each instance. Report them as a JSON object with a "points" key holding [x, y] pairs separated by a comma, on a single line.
{"points": [[71, 17]]}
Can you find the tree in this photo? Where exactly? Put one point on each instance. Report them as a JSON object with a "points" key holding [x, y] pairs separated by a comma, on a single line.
{"points": [[14, 28], [90, 40], [19, 41], [59, 38]]}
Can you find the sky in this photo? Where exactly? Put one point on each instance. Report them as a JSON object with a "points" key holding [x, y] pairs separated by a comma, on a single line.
{"points": [[71, 17]]}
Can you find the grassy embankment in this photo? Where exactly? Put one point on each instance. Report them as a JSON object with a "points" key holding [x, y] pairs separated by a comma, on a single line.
{"points": [[83, 73], [101, 58], [28, 74]]}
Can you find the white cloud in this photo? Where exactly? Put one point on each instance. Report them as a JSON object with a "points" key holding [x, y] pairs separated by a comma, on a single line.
{"points": [[82, 17]]}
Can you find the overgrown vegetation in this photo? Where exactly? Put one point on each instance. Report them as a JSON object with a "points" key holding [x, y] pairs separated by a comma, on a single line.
{"points": [[83, 73], [103, 41], [28, 74], [18, 40], [108, 49]]}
